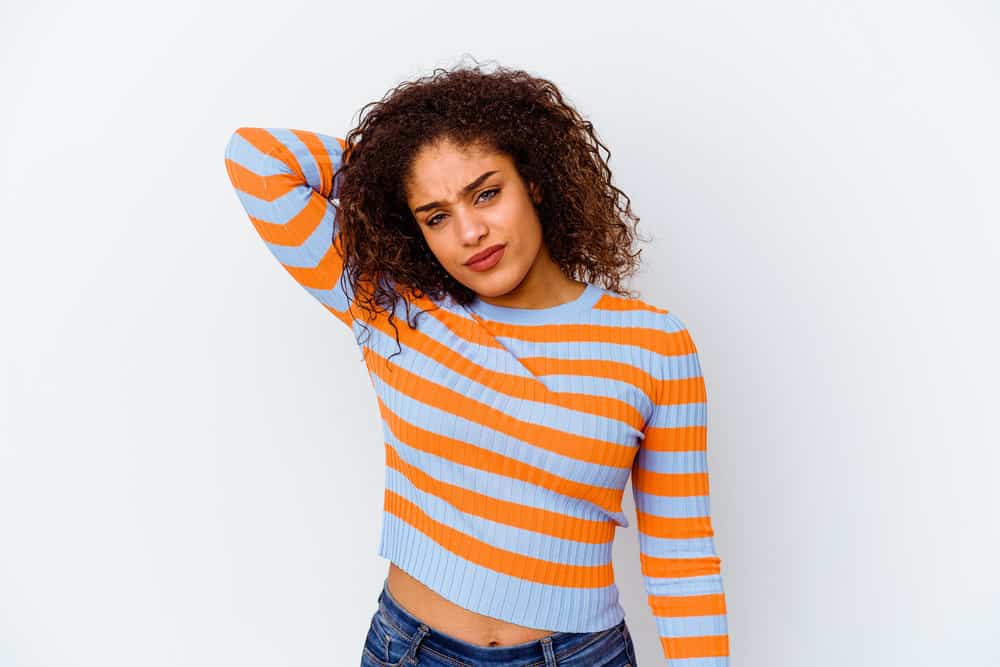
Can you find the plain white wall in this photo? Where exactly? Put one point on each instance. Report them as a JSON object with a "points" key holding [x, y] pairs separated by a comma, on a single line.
{"points": [[191, 461]]}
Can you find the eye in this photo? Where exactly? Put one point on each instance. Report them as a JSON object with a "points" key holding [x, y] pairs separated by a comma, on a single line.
{"points": [[493, 191]]}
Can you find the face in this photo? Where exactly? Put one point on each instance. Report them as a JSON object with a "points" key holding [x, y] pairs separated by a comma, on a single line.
{"points": [[467, 200]]}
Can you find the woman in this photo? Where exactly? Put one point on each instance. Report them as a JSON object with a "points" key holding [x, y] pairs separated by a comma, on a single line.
{"points": [[521, 395]]}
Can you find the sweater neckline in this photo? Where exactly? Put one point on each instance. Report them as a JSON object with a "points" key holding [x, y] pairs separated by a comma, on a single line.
{"points": [[591, 293]]}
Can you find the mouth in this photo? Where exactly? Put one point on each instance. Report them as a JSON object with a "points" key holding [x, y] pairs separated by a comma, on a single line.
{"points": [[487, 258], [479, 256]]}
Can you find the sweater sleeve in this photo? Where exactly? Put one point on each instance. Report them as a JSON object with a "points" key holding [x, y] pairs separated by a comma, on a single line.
{"points": [[284, 179], [680, 567]]}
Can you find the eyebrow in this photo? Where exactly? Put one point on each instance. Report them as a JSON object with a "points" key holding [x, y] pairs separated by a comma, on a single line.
{"points": [[467, 189]]}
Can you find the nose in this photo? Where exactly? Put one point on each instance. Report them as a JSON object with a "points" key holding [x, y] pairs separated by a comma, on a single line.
{"points": [[471, 227]]}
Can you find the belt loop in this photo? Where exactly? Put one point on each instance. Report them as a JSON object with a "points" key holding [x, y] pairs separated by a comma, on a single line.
{"points": [[550, 655], [418, 636]]}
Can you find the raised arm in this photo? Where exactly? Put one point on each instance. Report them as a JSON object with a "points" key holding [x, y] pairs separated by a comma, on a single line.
{"points": [[284, 179], [681, 570]]}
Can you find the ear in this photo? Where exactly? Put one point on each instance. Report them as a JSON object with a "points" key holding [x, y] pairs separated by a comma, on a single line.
{"points": [[536, 193]]}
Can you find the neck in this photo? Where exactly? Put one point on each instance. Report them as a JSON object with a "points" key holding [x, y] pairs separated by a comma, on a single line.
{"points": [[544, 286]]}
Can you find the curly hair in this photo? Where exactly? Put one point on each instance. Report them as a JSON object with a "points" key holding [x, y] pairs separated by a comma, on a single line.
{"points": [[587, 223]]}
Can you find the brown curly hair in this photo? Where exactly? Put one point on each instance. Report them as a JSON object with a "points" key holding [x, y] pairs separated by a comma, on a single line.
{"points": [[587, 223]]}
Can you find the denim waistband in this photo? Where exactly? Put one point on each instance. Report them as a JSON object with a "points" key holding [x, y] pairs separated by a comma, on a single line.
{"points": [[560, 644]]}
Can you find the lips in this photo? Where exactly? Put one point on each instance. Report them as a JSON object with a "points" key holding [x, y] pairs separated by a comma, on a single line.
{"points": [[484, 254]]}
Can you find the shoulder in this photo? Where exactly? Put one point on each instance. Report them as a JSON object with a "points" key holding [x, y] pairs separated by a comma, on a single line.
{"points": [[657, 336], [639, 312]]}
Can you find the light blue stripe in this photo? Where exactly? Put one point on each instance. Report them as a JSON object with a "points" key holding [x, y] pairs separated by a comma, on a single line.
{"points": [[278, 211], [485, 591], [671, 507], [306, 160], [700, 662], [245, 154], [695, 461], [707, 584], [495, 485], [569, 312], [621, 352], [676, 367], [490, 358], [636, 319], [333, 148], [508, 538], [310, 252], [334, 297], [467, 430], [691, 626], [662, 547], [538, 412], [336, 160], [603, 387], [684, 414]]}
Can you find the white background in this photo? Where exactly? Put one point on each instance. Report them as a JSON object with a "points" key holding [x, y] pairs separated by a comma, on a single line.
{"points": [[191, 464]]}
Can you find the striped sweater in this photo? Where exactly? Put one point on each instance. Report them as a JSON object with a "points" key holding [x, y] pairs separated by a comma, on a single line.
{"points": [[510, 433]]}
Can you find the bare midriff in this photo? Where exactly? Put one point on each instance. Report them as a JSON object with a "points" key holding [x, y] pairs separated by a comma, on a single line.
{"points": [[448, 618]]}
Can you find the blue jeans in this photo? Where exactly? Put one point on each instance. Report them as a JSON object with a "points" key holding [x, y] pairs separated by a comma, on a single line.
{"points": [[397, 639]]}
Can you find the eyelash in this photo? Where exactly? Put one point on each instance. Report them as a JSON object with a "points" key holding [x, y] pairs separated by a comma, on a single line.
{"points": [[495, 191]]}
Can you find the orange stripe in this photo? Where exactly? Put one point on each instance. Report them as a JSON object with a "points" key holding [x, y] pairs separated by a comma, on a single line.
{"points": [[681, 390], [323, 276], [496, 559], [678, 391], [343, 316], [620, 303], [670, 484], [670, 343], [679, 567], [473, 456], [520, 387], [685, 528], [604, 369], [266, 188], [268, 144], [505, 512], [323, 160], [711, 646], [676, 438], [578, 447], [463, 327], [677, 606], [300, 227]]}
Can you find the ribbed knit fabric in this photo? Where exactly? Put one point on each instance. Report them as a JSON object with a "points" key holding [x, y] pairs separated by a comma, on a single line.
{"points": [[510, 433]]}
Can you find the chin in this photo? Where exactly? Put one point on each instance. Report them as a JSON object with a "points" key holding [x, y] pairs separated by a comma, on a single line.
{"points": [[498, 285]]}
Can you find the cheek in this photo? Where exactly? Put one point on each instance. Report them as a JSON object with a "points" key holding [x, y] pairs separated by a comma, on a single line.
{"points": [[519, 218], [528, 227], [442, 249]]}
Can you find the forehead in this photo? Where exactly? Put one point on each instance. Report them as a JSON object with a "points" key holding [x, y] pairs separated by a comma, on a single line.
{"points": [[442, 169]]}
